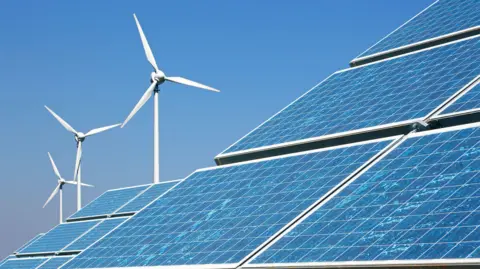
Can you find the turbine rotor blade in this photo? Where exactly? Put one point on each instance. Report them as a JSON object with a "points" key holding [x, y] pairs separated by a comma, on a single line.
{"points": [[52, 195], [81, 184], [78, 160], [86, 185], [71, 182], [146, 47], [142, 101], [188, 82], [54, 166], [62, 122], [102, 129]]}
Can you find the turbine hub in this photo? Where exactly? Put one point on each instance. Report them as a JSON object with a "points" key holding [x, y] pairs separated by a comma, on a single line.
{"points": [[158, 76], [79, 136]]}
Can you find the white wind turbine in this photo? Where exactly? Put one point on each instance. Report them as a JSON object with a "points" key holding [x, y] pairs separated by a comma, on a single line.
{"points": [[59, 188], [157, 77], [79, 138]]}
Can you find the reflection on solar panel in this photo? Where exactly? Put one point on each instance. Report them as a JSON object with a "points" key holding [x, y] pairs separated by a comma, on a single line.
{"points": [[108, 202], [147, 197], [442, 18], [96, 233], [27, 263], [398, 90], [469, 101], [59, 237], [220, 215], [54, 263], [421, 201], [38, 236]]}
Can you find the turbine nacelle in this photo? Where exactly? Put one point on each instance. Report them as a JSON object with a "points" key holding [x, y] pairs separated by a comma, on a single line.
{"points": [[158, 77]]}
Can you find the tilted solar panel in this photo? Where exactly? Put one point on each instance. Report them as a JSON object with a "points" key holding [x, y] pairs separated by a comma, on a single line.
{"points": [[469, 102], [38, 236], [6, 259], [147, 197], [27, 263], [420, 202], [384, 94], [441, 18], [220, 215], [108, 202], [55, 262], [94, 234], [59, 237]]}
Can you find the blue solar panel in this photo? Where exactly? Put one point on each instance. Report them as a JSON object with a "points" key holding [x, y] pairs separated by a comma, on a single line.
{"points": [[392, 91], [38, 236], [6, 259], [108, 202], [421, 201], [147, 197], [220, 215], [471, 100], [59, 237], [55, 263], [26, 263], [96, 233], [442, 18]]}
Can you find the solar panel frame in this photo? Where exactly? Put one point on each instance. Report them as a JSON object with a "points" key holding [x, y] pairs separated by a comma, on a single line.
{"points": [[81, 218], [225, 153], [374, 263], [41, 260], [468, 89], [392, 139], [365, 56], [55, 258]]}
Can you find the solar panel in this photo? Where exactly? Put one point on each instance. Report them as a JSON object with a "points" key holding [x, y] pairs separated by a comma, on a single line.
{"points": [[27, 263], [219, 215], [108, 202], [6, 259], [94, 234], [420, 202], [147, 197], [400, 90], [59, 237], [441, 18], [468, 102], [38, 236], [55, 262]]}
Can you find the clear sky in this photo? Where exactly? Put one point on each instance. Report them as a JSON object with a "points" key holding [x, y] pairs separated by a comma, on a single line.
{"points": [[85, 61]]}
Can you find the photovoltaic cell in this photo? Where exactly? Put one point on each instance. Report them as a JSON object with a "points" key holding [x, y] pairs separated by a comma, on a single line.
{"points": [[54, 263], [471, 100], [96, 233], [419, 202], [59, 237], [442, 18], [108, 202], [146, 197], [38, 236], [220, 215], [26, 263], [397, 90]]}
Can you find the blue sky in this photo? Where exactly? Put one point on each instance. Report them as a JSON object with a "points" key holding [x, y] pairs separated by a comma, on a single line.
{"points": [[85, 61]]}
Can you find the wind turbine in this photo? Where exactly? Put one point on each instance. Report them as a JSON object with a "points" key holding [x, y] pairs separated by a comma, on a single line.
{"points": [[79, 138], [157, 77], [59, 188]]}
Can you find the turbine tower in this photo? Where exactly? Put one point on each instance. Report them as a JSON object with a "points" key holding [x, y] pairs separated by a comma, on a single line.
{"points": [[59, 188], [79, 138], [157, 77]]}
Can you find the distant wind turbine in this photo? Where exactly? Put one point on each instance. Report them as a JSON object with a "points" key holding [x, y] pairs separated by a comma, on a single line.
{"points": [[79, 138], [157, 77], [59, 188]]}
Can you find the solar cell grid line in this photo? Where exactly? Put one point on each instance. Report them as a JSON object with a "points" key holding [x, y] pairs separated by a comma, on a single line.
{"points": [[59, 237], [38, 236], [393, 92], [438, 21], [26, 263], [467, 102], [218, 215], [419, 204], [55, 262], [147, 196], [94, 234], [108, 202]]}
